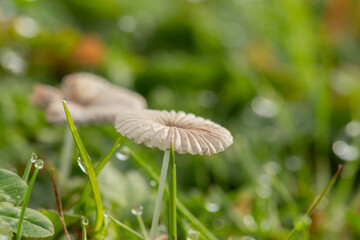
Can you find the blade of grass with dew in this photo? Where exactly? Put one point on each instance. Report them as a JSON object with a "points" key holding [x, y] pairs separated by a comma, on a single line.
{"points": [[142, 226], [84, 223], [315, 203], [91, 173], [185, 213], [126, 228], [172, 195], [25, 202], [98, 168], [28, 166]]}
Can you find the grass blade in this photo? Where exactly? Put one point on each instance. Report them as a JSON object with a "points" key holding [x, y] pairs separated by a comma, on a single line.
{"points": [[91, 173], [26, 200], [126, 228]]}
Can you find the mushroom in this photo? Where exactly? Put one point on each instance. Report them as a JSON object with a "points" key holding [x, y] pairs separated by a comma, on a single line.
{"points": [[185, 133], [91, 99]]}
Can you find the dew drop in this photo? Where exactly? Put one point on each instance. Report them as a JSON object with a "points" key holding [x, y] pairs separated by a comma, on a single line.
{"points": [[272, 168], [212, 203], [84, 221], [106, 213], [212, 207], [39, 164], [153, 183], [193, 235], [137, 210], [264, 107], [123, 154], [33, 157], [81, 165], [65, 100], [353, 128]]}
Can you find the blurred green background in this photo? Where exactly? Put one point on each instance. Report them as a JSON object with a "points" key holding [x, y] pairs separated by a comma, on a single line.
{"points": [[282, 75]]}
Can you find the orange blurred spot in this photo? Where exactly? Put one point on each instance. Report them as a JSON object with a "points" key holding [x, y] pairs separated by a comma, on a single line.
{"points": [[89, 51]]}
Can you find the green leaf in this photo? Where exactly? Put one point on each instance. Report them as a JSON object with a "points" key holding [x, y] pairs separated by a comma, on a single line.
{"points": [[12, 187], [90, 170], [35, 225], [55, 219]]}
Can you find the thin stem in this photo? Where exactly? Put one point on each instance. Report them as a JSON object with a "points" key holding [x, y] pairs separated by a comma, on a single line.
{"points": [[66, 154], [156, 216], [24, 204], [172, 196], [107, 157], [323, 193], [142, 226], [84, 235], [126, 228], [59, 204], [315, 203], [179, 205]]}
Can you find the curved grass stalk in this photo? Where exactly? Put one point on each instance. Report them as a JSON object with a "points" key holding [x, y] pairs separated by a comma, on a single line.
{"points": [[99, 221]]}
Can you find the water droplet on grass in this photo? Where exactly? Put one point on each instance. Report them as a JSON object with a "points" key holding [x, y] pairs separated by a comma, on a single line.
{"points": [[212, 206], [65, 100], [39, 164], [33, 157], [264, 107], [153, 183], [106, 213], [353, 128], [193, 235], [344, 151], [137, 210], [82, 165], [272, 168], [123, 154], [85, 221]]}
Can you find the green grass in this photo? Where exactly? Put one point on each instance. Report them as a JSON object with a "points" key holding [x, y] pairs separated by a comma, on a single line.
{"points": [[282, 76]]}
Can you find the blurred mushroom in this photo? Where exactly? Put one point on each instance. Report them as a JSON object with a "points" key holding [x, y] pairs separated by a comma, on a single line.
{"points": [[91, 99], [186, 133]]}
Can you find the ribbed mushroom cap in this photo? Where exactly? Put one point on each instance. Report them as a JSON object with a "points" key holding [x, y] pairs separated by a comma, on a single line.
{"points": [[187, 132], [91, 99]]}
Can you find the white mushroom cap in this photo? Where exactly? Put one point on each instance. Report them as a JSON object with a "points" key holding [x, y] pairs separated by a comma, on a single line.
{"points": [[91, 99], [187, 132]]}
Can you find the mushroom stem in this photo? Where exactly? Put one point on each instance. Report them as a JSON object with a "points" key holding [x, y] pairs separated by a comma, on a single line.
{"points": [[172, 196], [159, 196]]}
